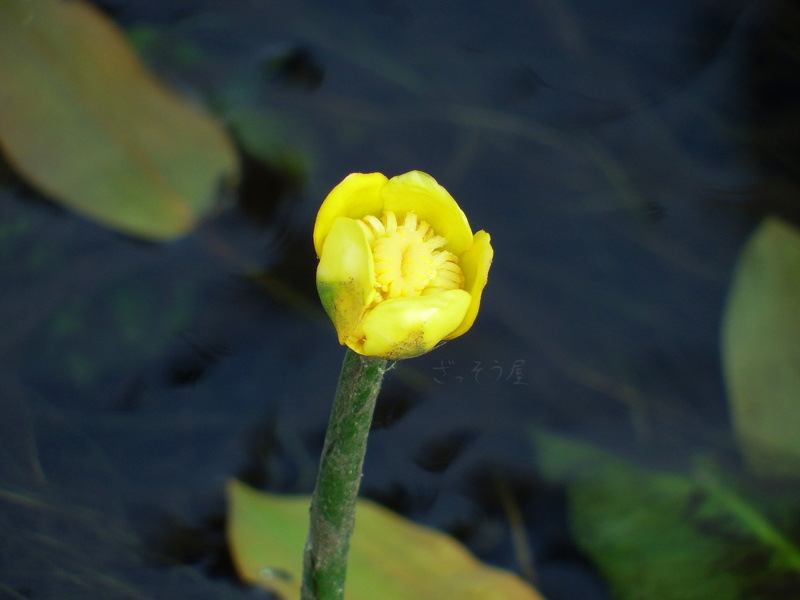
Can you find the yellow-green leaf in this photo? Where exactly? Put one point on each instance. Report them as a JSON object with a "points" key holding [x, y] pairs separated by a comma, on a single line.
{"points": [[672, 536], [761, 349], [82, 120], [391, 558]]}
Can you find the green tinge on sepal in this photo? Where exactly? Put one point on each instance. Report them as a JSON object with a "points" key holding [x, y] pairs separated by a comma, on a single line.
{"points": [[328, 298], [346, 276], [338, 302]]}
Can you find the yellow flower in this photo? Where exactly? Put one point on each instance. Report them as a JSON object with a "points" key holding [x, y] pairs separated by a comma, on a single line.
{"points": [[399, 269]]}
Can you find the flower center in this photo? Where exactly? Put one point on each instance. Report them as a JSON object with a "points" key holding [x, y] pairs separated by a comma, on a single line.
{"points": [[408, 257]]}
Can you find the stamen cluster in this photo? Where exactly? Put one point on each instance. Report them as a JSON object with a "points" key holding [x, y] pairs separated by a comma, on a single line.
{"points": [[408, 257]]}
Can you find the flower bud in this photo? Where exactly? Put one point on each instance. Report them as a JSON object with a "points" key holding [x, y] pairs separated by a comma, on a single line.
{"points": [[400, 269]]}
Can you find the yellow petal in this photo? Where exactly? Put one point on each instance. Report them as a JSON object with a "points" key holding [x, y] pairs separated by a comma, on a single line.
{"points": [[407, 327], [475, 264], [417, 191], [356, 196], [345, 275]]}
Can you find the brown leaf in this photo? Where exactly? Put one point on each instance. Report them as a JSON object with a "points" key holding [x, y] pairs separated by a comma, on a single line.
{"points": [[82, 120]]}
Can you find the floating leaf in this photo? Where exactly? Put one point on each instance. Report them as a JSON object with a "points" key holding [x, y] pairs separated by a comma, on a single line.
{"points": [[666, 535], [391, 558], [761, 349], [82, 120]]}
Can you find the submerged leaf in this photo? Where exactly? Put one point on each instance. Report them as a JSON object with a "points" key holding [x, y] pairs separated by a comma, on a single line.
{"points": [[83, 121], [391, 558], [666, 535], [761, 350]]}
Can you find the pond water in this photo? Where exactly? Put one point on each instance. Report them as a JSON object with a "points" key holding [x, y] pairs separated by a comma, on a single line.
{"points": [[618, 153]]}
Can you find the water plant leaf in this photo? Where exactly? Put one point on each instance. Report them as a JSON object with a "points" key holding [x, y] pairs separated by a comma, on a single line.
{"points": [[84, 122], [670, 536], [761, 350], [391, 558]]}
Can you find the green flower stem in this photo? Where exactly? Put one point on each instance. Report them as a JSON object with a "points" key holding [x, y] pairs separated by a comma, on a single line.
{"points": [[333, 505]]}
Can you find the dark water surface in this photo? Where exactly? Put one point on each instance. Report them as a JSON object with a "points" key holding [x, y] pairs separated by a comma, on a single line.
{"points": [[618, 152]]}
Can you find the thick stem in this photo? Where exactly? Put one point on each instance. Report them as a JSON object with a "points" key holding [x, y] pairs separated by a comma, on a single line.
{"points": [[334, 502]]}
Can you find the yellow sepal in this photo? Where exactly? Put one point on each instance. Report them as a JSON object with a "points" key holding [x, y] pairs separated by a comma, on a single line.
{"points": [[345, 276], [407, 327], [419, 192], [356, 196], [475, 264]]}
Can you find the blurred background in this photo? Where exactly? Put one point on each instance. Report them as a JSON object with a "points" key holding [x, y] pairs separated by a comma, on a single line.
{"points": [[619, 154]]}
